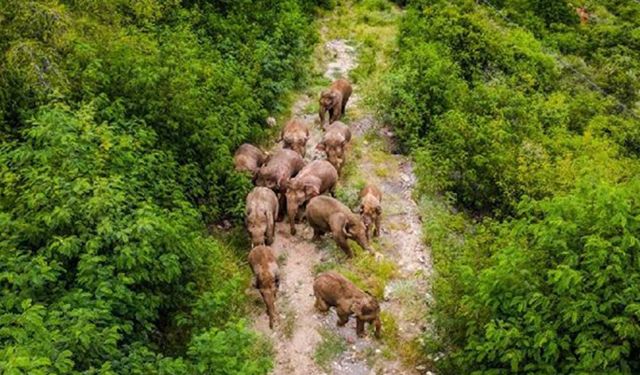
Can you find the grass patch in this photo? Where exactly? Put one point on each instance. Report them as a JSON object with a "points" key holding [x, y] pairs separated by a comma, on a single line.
{"points": [[390, 335], [368, 273], [312, 107], [382, 171], [324, 267], [348, 195], [282, 258], [329, 349], [288, 321]]}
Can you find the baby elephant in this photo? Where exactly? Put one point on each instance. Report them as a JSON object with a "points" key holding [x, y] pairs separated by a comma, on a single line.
{"points": [[295, 136], [316, 178], [266, 277], [260, 216], [326, 214], [249, 158], [333, 289], [333, 143], [371, 208], [334, 100]]}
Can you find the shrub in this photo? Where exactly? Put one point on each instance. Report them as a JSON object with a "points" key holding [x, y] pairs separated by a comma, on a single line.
{"points": [[536, 270]]}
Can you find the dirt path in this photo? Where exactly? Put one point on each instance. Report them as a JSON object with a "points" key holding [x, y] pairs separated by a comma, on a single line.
{"points": [[304, 337]]}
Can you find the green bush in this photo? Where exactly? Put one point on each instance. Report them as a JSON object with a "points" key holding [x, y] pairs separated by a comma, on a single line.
{"points": [[557, 291], [537, 270]]}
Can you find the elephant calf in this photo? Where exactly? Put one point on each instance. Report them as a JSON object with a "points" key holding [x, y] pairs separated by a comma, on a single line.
{"points": [[295, 136], [267, 277], [249, 158], [371, 208], [333, 289], [334, 142], [260, 215], [326, 214], [316, 178], [335, 100]]}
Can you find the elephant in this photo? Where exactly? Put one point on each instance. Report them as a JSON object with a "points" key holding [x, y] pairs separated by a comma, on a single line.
{"points": [[327, 214], [260, 215], [295, 136], [334, 142], [266, 277], [249, 158], [333, 289], [334, 100], [315, 178], [371, 208]]}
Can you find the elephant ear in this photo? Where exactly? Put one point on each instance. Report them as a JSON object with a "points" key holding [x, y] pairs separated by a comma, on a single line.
{"points": [[356, 308], [267, 157], [346, 227], [311, 190], [289, 184], [334, 97]]}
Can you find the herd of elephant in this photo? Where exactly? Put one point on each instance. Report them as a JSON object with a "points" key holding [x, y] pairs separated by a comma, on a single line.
{"points": [[284, 183]]}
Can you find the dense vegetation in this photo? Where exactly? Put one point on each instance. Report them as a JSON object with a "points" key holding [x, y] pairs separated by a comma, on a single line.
{"points": [[538, 255], [118, 120]]}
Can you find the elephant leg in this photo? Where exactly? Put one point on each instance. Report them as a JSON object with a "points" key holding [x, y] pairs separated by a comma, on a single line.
{"points": [[343, 318], [342, 243], [376, 233], [359, 327], [282, 203], [337, 113], [300, 213], [317, 233], [273, 233], [321, 305]]}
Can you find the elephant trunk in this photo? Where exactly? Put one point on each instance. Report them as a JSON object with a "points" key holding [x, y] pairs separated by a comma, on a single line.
{"points": [[378, 325], [362, 240], [268, 295]]}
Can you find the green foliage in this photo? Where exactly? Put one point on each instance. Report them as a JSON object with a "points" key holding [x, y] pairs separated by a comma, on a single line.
{"points": [[487, 106], [605, 48], [118, 121], [535, 246], [100, 247], [554, 291], [229, 352], [204, 77]]}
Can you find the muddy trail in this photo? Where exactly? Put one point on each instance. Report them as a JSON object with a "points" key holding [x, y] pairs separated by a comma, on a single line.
{"points": [[308, 342]]}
